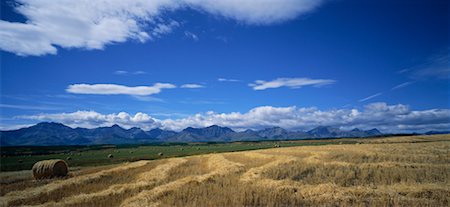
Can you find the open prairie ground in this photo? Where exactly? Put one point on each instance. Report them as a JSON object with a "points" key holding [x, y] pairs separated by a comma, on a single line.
{"points": [[23, 158], [397, 171]]}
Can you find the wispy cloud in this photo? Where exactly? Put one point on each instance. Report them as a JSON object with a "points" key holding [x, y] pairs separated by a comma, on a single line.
{"points": [[114, 89], [191, 35], [139, 72], [203, 102], [402, 85], [228, 80], [120, 72], [28, 107], [222, 38], [92, 25], [436, 66], [63, 96], [370, 97], [164, 28], [289, 82], [192, 85], [403, 70], [124, 72], [149, 99]]}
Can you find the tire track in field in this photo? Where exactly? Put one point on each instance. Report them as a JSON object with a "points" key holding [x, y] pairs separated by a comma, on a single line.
{"points": [[144, 180], [13, 198], [220, 165]]}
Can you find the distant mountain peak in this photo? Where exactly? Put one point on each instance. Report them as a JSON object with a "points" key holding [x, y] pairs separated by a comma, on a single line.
{"points": [[214, 126], [374, 131], [51, 133], [116, 126], [50, 124], [321, 129], [156, 129]]}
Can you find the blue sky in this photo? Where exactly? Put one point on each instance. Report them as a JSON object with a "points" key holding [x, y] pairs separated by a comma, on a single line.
{"points": [[173, 64]]}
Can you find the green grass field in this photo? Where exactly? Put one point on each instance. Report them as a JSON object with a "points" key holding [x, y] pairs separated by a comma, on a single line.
{"points": [[23, 158]]}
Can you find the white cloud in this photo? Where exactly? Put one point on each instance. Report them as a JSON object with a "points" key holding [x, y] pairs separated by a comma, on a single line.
{"points": [[227, 80], [388, 118], [113, 89], [191, 35], [192, 85], [370, 97], [92, 25], [290, 82], [256, 11], [92, 119]]}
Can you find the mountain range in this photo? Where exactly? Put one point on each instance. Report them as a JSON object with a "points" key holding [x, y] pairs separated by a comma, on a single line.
{"points": [[50, 133]]}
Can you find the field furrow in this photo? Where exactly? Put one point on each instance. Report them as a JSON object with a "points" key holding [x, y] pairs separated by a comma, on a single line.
{"points": [[220, 165], [39, 193]]}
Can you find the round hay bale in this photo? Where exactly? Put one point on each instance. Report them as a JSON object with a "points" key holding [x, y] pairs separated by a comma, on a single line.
{"points": [[49, 169], [69, 158], [110, 156], [160, 154]]}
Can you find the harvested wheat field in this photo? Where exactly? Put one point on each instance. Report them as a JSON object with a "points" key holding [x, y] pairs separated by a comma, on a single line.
{"points": [[401, 171]]}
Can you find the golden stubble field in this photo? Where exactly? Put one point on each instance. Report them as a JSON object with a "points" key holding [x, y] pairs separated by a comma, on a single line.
{"points": [[400, 171]]}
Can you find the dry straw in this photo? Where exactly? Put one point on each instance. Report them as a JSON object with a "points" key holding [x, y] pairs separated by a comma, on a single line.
{"points": [[49, 169]]}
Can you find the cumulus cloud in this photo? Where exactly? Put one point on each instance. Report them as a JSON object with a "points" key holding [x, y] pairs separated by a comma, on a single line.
{"points": [[289, 82], [113, 89], [91, 24], [192, 85], [388, 118], [92, 119]]}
